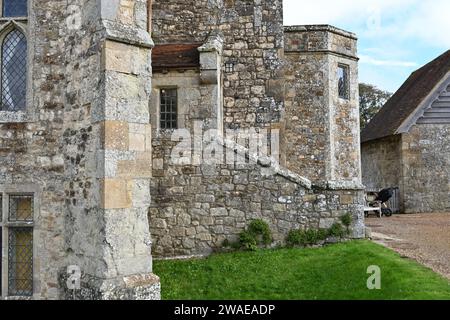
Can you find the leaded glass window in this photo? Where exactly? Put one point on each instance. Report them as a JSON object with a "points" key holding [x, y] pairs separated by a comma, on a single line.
{"points": [[15, 8], [21, 208], [14, 71], [344, 82], [168, 109], [20, 262], [16, 233]]}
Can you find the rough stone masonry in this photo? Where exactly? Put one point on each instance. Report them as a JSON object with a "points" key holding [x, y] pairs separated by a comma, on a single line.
{"points": [[89, 150]]}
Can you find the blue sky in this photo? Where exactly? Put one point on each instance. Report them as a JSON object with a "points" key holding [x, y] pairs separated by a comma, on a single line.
{"points": [[396, 37]]}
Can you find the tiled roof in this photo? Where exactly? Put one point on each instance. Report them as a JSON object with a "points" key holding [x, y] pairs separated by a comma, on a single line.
{"points": [[175, 56], [406, 100]]}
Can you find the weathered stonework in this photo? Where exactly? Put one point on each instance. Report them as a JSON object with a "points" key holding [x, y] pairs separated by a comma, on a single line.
{"points": [[90, 70], [321, 133], [90, 148], [417, 162], [283, 80], [381, 162]]}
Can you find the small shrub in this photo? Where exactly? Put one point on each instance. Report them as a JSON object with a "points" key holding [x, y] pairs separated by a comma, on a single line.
{"points": [[248, 241], [296, 238], [347, 220], [312, 236], [308, 237], [258, 232], [323, 234], [261, 228], [226, 243], [336, 230]]}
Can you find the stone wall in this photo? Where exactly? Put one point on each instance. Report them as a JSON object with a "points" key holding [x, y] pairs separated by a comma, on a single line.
{"points": [[321, 136], [381, 163], [85, 147], [416, 162], [253, 42], [195, 208], [426, 168], [31, 151]]}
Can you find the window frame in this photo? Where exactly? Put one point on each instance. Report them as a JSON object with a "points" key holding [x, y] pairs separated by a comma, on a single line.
{"points": [[3, 36], [177, 124], [6, 225], [7, 24], [346, 69], [15, 18]]}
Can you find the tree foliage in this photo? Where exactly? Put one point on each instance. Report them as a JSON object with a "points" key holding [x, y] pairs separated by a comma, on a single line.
{"points": [[371, 100]]}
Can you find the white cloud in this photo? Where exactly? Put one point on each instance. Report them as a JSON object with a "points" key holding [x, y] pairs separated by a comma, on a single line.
{"points": [[332, 12], [389, 63], [430, 22], [423, 20]]}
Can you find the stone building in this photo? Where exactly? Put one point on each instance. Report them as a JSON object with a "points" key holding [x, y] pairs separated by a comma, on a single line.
{"points": [[407, 144], [88, 134], [229, 66]]}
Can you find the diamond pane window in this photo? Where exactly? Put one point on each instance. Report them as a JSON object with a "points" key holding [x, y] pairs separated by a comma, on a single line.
{"points": [[14, 71], [168, 109], [15, 8], [229, 67], [21, 208], [20, 262], [344, 86]]}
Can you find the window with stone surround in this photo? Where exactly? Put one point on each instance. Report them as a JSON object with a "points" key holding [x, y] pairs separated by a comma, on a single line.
{"points": [[16, 238], [13, 60], [14, 8], [344, 81], [168, 108], [229, 67]]}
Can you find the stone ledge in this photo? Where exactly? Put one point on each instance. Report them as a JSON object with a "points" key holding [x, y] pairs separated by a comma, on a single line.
{"points": [[266, 162], [340, 185], [127, 34], [141, 280], [321, 27], [14, 117]]}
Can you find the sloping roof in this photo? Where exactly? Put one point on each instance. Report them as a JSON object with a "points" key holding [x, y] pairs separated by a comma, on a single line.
{"points": [[175, 56], [406, 100]]}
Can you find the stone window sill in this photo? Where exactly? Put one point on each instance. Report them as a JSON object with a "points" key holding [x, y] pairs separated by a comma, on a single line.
{"points": [[14, 117]]}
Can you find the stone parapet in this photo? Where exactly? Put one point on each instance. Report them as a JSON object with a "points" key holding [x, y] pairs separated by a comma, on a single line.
{"points": [[320, 38]]}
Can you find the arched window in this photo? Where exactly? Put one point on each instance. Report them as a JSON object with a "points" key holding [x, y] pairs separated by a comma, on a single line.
{"points": [[14, 71]]}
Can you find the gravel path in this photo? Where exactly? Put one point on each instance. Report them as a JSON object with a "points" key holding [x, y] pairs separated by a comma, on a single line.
{"points": [[423, 237]]}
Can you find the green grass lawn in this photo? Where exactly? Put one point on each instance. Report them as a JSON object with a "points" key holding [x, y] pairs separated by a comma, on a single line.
{"points": [[332, 272]]}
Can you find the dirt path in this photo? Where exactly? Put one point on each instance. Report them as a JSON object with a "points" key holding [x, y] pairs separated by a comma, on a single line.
{"points": [[423, 237]]}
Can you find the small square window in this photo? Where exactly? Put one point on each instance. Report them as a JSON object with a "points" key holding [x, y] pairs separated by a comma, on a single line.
{"points": [[168, 109], [21, 208], [15, 8], [344, 82], [229, 67]]}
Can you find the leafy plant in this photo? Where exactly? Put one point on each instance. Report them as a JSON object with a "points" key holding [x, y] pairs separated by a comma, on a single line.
{"points": [[257, 233], [336, 230], [248, 241], [261, 228], [296, 238], [306, 237], [347, 221]]}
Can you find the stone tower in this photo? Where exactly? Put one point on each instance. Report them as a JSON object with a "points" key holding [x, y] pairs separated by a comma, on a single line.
{"points": [[321, 136], [76, 156]]}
